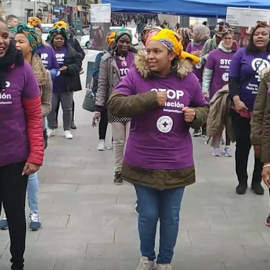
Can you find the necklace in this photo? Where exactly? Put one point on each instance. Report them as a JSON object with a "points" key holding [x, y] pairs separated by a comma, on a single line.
{"points": [[123, 59]]}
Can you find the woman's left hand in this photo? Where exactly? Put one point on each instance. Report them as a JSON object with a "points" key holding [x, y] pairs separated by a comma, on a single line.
{"points": [[30, 168], [63, 69], [266, 176], [189, 114]]}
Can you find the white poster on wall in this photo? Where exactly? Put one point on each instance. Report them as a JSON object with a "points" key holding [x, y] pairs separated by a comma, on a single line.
{"points": [[101, 13], [246, 17]]}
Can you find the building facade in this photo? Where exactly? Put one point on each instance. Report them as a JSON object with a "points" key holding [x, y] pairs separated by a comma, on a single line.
{"points": [[72, 11]]}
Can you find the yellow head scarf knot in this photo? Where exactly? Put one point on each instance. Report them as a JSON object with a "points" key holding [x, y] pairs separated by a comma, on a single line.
{"points": [[60, 24], [34, 22], [110, 37], [172, 42]]}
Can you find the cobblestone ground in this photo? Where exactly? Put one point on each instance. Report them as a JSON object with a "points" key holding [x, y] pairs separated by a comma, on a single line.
{"points": [[89, 223]]}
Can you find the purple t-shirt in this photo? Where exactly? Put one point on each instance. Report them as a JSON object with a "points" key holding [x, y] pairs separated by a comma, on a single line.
{"points": [[198, 69], [219, 62], [160, 138], [124, 64], [59, 84], [20, 84], [247, 69], [47, 57]]}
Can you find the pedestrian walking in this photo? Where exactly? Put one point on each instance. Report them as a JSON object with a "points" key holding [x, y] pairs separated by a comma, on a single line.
{"points": [[74, 43], [27, 40], [44, 50], [114, 67], [244, 78], [200, 34], [158, 94], [213, 43], [103, 122], [66, 83], [21, 139], [216, 75]]}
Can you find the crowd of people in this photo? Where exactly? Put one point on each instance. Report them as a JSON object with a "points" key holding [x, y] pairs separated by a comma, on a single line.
{"points": [[219, 78], [181, 79]]}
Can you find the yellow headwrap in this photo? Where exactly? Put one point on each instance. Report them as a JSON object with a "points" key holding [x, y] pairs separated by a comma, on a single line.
{"points": [[172, 42], [110, 37], [60, 24], [34, 22]]}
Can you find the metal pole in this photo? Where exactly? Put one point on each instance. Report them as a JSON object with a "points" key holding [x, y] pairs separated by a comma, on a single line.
{"points": [[35, 8]]}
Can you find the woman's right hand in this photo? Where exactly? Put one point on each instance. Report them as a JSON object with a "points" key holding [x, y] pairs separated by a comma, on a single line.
{"points": [[161, 98], [96, 119], [266, 175], [197, 53], [240, 106], [206, 95]]}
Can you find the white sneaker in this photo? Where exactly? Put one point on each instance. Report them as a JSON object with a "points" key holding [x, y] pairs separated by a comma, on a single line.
{"points": [[110, 147], [164, 267], [35, 222], [101, 145], [145, 264], [50, 132], [68, 134]]}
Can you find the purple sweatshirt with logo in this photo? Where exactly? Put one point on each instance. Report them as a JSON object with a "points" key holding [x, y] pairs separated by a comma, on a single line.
{"points": [[247, 68], [124, 64], [48, 59], [160, 138], [198, 69], [219, 62], [20, 84]]}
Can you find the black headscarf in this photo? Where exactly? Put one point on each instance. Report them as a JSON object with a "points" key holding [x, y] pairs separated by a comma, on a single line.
{"points": [[12, 57]]}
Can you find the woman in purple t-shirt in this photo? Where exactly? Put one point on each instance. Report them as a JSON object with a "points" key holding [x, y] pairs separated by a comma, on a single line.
{"points": [[216, 75], [158, 160], [244, 78], [21, 139]]}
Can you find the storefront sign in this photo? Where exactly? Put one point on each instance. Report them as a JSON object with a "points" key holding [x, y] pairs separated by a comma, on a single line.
{"points": [[101, 13], [246, 17]]}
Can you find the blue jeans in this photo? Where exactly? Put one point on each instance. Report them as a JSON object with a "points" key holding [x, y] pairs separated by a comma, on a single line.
{"points": [[153, 205], [32, 193]]}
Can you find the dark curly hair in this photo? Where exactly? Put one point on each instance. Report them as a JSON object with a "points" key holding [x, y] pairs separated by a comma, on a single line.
{"points": [[251, 48]]}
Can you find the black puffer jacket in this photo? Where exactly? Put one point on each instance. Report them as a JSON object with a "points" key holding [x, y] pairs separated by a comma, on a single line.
{"points": [[74, 65]]}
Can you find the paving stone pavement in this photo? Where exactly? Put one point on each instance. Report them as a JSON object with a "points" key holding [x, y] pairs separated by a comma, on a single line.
{"points": [[89, 223]]}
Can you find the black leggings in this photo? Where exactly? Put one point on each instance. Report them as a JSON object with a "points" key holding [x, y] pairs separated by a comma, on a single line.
{"points": [[12, 195], [103, 124], [241, 128]]}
